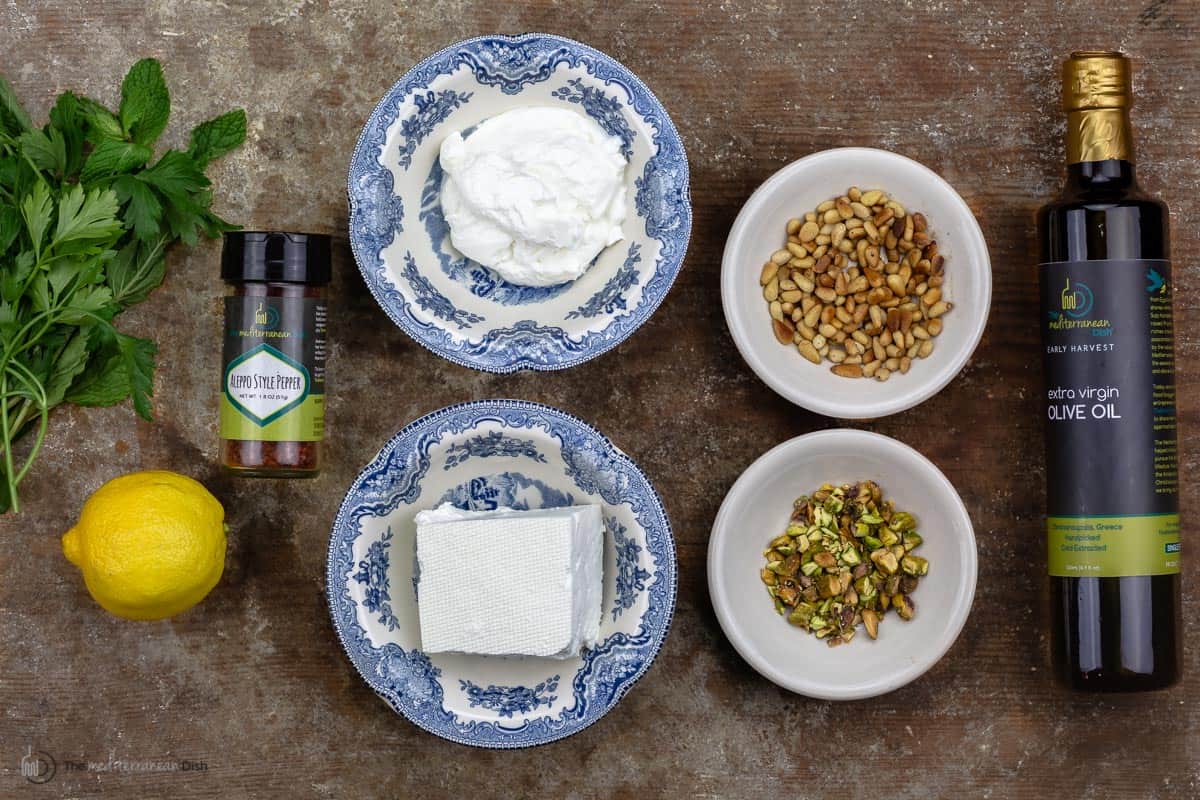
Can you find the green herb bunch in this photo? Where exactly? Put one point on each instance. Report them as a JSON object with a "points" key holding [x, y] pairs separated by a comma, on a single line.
{"points": [[86, 217]]}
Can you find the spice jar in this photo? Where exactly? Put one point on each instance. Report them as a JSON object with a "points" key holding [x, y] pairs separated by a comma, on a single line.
{"points": [[273, 386]]}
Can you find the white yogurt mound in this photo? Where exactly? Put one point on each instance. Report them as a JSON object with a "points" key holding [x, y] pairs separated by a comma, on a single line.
{"points": [[534, 193]]}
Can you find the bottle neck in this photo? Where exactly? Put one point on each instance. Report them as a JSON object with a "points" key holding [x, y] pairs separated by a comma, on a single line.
{"points": [[1100, 150], [1109, 175]]}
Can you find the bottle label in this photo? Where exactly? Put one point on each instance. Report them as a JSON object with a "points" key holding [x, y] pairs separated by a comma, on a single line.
{"points": [[274, 376], [1111, 461]]}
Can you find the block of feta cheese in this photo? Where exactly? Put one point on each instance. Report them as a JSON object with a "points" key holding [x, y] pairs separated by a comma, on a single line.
{"points": [[508, 582]]}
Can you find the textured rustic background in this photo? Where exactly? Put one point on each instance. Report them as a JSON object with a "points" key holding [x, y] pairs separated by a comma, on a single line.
{"points": [[253, 682]]}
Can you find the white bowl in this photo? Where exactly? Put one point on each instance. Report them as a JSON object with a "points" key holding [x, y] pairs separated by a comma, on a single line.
{"points": [[757, 509], [758, 231]]}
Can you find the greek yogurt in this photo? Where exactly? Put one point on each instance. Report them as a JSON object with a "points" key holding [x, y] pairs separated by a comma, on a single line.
{"points": [[534, 193]]}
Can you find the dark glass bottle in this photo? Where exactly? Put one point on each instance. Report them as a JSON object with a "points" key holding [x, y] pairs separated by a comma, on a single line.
{"points": [[1111, 465]]}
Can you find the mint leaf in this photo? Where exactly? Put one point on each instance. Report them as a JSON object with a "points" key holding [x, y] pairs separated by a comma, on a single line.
{"points": [[138, 358], [145, 101], [102, 123], [113, 156], [14, 119], [65, 120], [143, 210], [217, 136]]}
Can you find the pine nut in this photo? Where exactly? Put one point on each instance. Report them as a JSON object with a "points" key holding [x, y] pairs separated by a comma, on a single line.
{"points": [[858, 279]]}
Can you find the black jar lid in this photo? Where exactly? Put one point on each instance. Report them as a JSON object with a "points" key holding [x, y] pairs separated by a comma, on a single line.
{"points": [[276, 256]]}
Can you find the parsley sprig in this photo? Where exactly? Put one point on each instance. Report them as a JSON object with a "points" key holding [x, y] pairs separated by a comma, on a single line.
{"points": [[86, 217]]}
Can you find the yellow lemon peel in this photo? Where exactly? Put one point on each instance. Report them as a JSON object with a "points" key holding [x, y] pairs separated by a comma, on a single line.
{"points": [[150, 544]]}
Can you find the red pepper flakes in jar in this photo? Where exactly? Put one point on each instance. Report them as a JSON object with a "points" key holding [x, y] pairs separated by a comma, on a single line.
{"points": [[273, 386]]}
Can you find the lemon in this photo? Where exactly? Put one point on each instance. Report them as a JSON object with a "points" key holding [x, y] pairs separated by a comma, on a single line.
{"points": [[150, 544]]}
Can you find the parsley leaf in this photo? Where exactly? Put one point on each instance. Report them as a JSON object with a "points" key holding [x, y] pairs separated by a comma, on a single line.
{"points": [[177, 176], [14, 281], [142, 210], [86, 218], [105, 382], [38, 211], [46, 151], [136, 270], [87, 305], [71, 361], [138, 358], [184, 216], [14, 119], [10, 226]]}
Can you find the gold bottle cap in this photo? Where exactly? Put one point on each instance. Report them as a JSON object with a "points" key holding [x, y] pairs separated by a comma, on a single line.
{"points": [[1097, 95], [1096, 79]]}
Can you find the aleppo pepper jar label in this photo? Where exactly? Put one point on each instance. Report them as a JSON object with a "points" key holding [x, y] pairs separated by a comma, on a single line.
{"points": [[274, 387], [272, 404]]}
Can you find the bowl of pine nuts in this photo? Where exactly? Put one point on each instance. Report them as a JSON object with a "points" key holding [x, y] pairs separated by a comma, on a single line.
{"points": [[856, 282]]}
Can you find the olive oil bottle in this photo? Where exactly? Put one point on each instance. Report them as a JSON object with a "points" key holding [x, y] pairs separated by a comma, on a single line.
{"points": [[1111, 466]]}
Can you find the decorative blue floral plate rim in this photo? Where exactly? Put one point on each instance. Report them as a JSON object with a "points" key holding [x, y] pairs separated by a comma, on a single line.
{"points": [[462, 310], [481, 455]]}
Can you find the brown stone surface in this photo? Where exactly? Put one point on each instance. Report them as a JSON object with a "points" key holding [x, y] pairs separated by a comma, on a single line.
{"points": [[253, 681]]}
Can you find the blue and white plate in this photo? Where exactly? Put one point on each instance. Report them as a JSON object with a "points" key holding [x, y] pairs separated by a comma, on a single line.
{"points": [[480, 456], [463, 310]]}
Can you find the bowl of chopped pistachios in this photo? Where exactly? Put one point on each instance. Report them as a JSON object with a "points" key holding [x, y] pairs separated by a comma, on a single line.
{"points": [[856, 282], [842, 564]]}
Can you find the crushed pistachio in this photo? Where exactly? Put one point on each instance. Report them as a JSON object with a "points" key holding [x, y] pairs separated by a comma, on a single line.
{"points": [[844, 560]]}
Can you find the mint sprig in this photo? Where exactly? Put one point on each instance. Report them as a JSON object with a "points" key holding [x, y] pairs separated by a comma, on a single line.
{"points": [[86, 216]]}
